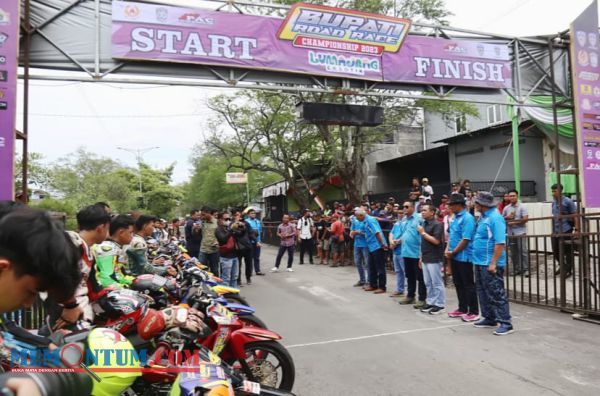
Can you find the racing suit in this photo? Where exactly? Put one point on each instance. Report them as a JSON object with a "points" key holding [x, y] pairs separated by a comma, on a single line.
{"points": [[111, 265], [137, 260]]}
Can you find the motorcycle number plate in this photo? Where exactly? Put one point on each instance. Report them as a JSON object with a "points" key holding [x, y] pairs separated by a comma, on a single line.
{"points": [[252, 387]]}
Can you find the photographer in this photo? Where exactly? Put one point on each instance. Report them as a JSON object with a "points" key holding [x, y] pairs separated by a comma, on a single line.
{"points": [[241, 232]]}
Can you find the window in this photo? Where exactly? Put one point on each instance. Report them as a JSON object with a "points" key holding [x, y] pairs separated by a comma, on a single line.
{"points": [[460, 123], [494, 114]]}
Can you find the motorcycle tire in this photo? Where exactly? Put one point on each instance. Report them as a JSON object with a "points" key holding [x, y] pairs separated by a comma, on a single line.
{"points": [[236, 298], [253, 320], [261, 350]]}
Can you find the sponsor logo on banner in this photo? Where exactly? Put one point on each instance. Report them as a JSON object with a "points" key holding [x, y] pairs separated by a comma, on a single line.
{"points": [[597, 92], [131, 11], [581, 36], [583, 58], [590, 144], [2, 93], [3, 105], [596, 105], [3, 75], [344, 64], [455, 49], [4, 17], [586, 104], [345, 25], [589, 76], [162, 14], [593, 39], [3, 38], [593, 59], [585, 89], [590, 116], [2, 59], [196, 19]]}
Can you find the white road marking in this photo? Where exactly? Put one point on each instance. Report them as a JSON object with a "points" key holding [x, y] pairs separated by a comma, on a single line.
{"points": [[324, 293], [378, 335]]}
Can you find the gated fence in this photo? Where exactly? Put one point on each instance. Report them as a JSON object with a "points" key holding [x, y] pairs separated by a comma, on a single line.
{"points": [[564, 269]]}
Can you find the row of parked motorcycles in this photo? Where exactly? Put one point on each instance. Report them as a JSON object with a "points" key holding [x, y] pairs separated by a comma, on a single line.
{"points": [[234, 353]]}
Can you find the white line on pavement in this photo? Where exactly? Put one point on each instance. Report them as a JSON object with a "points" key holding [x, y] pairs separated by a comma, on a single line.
{"points": [[321, 292], [377, 335]]}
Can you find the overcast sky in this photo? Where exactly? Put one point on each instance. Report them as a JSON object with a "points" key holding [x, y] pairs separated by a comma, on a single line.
{"points": [[100, 117]]}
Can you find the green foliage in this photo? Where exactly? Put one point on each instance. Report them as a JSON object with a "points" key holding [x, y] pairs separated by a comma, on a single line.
{"points": [[84, 178], [38, 174], [59, 206], [207, 185]]}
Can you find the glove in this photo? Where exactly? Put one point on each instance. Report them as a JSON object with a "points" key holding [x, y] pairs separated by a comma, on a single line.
{"points": [[186, 318]]}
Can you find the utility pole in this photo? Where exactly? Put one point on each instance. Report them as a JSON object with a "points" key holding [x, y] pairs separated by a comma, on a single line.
{"points": [[139, 156]]}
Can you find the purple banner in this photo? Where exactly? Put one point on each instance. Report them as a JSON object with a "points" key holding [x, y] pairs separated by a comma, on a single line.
{"points": [[585, 72], [9, 39], [173, 34]]}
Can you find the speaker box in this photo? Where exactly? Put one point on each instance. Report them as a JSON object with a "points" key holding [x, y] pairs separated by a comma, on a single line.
{"points": [[339, 114]]}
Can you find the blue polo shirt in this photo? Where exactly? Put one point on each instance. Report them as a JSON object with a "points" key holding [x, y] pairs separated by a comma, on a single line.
{"points": [[396, 233], [411, 240], [359, 240], [256, 226], [491, 231], [567, 207], [462, 227], [372, 227]]}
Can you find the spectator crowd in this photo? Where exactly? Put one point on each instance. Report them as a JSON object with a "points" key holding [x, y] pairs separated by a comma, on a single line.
{"points": [[464, 236]]}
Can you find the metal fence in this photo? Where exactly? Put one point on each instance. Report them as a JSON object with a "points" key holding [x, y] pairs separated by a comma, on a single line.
{"points": [[559, 271]]}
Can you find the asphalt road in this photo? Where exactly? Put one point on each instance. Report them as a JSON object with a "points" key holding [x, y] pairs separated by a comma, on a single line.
{"points": [[345, 341]]}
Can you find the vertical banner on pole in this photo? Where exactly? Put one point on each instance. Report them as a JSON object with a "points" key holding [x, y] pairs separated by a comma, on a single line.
{"points": [[9, 44], [585, 75]]}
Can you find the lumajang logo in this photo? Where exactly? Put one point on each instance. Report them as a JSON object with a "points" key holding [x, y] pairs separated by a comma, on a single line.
{"points": [[344, 64]]}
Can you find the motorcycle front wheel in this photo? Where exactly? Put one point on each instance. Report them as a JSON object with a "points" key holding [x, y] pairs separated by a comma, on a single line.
{"points": [[270, 364]]}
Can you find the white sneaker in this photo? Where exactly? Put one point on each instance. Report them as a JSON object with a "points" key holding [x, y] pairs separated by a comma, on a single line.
{"points": [[274, 269], [290, 270]]}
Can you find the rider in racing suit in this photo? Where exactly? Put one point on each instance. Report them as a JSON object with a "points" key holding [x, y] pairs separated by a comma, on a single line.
{"points": [[138, 249], [111, 261]]}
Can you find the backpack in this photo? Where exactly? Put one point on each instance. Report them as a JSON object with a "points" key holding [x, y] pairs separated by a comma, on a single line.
{"points": [[228, 247]]}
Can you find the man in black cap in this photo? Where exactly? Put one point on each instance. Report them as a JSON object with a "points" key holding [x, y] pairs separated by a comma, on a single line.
{"points": [[459, 252], [489, 258]]}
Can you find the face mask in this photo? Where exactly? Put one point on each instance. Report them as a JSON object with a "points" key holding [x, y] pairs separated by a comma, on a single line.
{"points": [[227, 222]]}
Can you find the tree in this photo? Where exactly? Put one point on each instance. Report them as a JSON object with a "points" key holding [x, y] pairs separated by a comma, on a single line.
{"points": [[264, 136], [83, 178], [207, 185], [37, 173]]}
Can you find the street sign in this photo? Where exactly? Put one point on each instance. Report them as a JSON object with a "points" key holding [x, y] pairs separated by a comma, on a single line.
{"points": [[236, 178]]}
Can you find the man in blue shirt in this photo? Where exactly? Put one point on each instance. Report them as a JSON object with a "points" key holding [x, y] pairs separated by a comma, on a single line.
{"points": [[361, 251], [563, 226], [459, 251], [489, 257], [255, 237], [395, 235], [410, 242], [377, 248]]}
